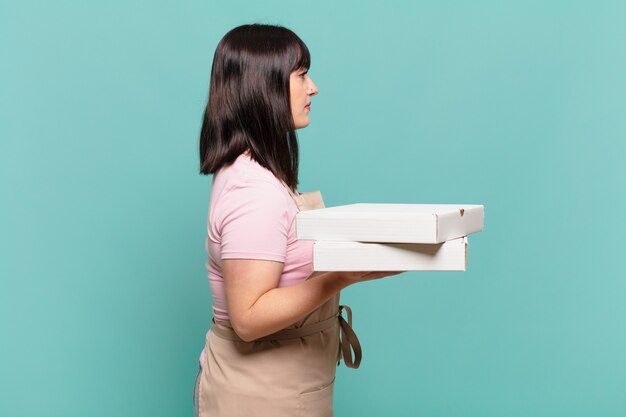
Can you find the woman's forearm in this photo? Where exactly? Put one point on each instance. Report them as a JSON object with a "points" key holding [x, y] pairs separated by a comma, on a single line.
{"points": [[281, 307]]}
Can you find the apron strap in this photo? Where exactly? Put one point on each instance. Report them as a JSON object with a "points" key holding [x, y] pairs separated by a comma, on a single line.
{"points": [[311, 200], [348, 341]]}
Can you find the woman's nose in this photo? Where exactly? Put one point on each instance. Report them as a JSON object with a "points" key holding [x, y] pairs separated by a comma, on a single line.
{"points": [[313, 90]]}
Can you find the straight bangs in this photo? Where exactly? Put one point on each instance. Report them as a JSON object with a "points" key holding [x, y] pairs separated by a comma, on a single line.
{"points": [[302, 56]]}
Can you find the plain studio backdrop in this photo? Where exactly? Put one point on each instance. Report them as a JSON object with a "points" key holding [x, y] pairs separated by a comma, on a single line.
{"points": [[518, 105]]}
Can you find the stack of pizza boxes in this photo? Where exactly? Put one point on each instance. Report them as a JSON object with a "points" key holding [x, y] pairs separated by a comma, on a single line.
{"points": [[390, 237]]}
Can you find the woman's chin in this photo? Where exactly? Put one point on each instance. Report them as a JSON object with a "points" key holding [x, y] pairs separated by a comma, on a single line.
{"points": [[302, 123]]}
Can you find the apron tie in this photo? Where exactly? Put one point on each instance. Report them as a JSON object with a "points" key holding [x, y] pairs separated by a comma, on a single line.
{"points": [[348, 341]]}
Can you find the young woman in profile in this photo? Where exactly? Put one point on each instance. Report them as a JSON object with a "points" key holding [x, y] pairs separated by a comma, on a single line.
{"points": [[277, 332]]}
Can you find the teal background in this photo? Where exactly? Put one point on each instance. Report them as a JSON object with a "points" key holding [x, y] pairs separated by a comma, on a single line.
{"points": [[518, 105]]}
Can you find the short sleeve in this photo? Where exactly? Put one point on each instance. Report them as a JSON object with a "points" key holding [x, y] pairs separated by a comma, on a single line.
{"points": [[254, 222]]}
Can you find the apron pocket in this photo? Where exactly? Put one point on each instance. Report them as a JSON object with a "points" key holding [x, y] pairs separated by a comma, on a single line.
{"points": [[317, 403]]}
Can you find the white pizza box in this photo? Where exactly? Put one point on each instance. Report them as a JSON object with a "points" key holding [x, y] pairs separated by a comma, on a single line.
{"points": [[358, 256], [394, 223]]}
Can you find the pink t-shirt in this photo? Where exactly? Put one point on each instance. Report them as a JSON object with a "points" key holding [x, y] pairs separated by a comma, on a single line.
{"points": [[252, 216]]}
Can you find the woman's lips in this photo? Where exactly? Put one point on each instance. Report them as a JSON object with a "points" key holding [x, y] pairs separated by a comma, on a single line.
{"points": [[308, 107]]}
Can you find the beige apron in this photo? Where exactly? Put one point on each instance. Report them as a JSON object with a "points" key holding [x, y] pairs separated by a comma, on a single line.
{"points": [[287, 374]]}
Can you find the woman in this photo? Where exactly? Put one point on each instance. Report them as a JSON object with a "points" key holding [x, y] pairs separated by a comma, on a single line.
{"points": [[277, 331]]}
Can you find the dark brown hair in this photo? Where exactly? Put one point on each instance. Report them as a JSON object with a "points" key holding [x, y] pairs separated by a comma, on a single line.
{"points": [[249, 100]]}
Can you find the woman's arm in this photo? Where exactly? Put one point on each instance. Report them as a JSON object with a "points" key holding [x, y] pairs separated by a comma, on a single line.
{"points": [[257, 308]]}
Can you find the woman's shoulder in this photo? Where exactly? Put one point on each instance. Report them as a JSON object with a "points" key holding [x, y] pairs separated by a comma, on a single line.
{"points": [[244, 194], [246, 177]]}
